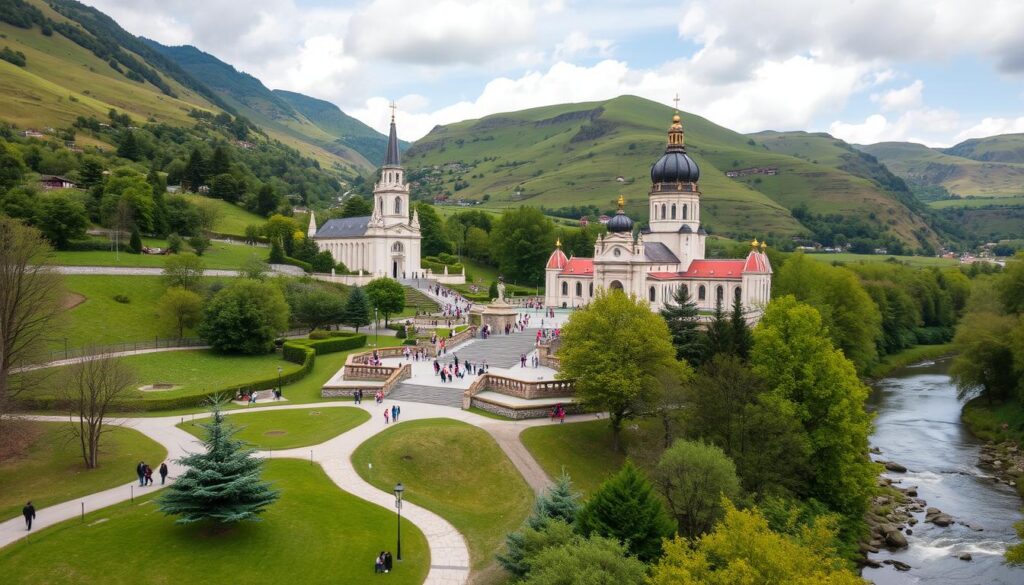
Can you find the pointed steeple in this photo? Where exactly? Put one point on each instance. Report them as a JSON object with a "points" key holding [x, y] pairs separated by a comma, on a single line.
{"points": [[391, 158], [311, 231]]}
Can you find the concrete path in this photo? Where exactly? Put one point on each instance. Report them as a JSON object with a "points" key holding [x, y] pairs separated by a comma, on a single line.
{"points": [[88, 358], [155, 271], [449, 553]]}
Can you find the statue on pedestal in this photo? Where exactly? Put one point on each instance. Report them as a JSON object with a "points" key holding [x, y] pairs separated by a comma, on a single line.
{"points": [[501, 291]]}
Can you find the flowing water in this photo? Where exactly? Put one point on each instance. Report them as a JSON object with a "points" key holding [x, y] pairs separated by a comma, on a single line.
{"points": [[918, 425]]}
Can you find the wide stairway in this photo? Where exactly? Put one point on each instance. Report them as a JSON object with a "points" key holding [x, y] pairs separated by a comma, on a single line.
{"points": [[441, 395], [498, 350]]}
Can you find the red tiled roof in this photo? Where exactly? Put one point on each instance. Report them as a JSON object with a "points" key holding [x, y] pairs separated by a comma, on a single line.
{"points": [[557, 259], [579, 266], [714, 269], [757, 262]]}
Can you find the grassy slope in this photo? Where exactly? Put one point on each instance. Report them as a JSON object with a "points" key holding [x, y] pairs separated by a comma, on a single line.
{"points": [[1003, 148], [455, 470], [975, 202], [585, 172], [821, 172], [220, 256], [51, 470], [583, 449], [287, 429], [911, 260], [959, 175], [194, 371], [315, 534], [102, 320], [233, 219]]}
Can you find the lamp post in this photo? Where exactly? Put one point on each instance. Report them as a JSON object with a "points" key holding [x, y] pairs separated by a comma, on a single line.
{"points": [[398, 506], [279, 389], [375, 327]]}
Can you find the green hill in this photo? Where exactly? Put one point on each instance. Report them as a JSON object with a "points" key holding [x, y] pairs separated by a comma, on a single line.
{"points": [[937, 174], [1002, 148], [349, 131], [573, 154], [254, 100]]}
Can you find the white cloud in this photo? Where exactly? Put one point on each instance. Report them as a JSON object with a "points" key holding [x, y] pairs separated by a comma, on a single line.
{"points": [[446, 31], [578, 44], [900, 99], [991, 127], [930, 126]]}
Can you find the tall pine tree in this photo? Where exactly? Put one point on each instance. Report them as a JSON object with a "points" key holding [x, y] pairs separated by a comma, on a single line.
{"points": [[683, 320], [195, 171], [357, 309], [719, 334], [223, 484], [557, 504], [739, 330], [625, 508]]}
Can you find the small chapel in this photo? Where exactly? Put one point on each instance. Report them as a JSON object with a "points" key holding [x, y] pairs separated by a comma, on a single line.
{"points": [[386, 242], [653, 262]]}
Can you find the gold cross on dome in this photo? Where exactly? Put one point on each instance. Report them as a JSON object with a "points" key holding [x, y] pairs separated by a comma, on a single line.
{"points": [[676, 100], [393, 107]]}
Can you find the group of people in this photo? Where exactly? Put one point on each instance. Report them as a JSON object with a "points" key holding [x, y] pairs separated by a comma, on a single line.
{"points": [[558, 412], [534, 360], [383, 563], [395, 411], [453, 370], [145, 473], [416, 354]]}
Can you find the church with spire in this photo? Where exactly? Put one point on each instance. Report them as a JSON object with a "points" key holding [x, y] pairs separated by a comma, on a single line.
{"points": [[655, 261], [385, 243]]}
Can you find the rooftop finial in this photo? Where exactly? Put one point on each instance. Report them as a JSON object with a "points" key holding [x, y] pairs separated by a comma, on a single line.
{"points": [[754, 244], [391, 156], [764, 246], [622, 202], [676, 100], [558, 243], [393, 107]]}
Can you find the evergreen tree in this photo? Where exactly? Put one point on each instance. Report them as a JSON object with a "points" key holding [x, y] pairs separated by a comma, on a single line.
{"points": [[220, 162], [195, 170], [434, 240], [625, 508], [719, 335], [223, 484], [683, 320], [739, 330], [356, 206], [357, 309], [556, 505], [266, 200], [128, 147], [91, 172], [159, 203], [135, 243]]}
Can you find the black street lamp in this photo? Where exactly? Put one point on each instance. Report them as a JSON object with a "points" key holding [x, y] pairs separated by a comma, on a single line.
{"points": [[375, 323], [398, 506], [280, 390]]}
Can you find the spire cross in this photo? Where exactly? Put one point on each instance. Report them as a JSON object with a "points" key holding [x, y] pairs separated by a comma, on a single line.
{"points": [[393, 107], [676, 100]]}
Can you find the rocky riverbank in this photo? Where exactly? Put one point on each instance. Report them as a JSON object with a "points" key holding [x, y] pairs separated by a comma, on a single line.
{"points": [[1005, 462]]}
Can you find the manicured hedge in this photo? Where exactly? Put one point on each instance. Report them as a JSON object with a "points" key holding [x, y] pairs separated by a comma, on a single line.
{"points": [[296, 262], [338, 341]]}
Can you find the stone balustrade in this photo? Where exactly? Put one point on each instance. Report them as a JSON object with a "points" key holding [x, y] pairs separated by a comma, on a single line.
{"points": [[525, 389]]}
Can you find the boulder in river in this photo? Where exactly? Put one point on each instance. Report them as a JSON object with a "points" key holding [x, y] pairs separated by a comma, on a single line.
{"points": [[937, 517], [895, 467], [898, 565], [894, 539], [965, 556]]}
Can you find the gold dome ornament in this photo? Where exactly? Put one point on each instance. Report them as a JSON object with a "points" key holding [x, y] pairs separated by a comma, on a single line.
{"points": [[754, 244], [622, 202], [764, 246], [558, 243]]}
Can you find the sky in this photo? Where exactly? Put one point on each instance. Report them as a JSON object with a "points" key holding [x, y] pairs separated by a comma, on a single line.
{"points": [[930, 71]]}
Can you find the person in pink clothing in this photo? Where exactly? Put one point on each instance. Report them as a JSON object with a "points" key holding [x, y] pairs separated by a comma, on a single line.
{"points": [[386, 415]]}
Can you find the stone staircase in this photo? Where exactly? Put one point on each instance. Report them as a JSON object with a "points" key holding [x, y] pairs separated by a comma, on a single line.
{"points": [[499, 350], [440, 395]]}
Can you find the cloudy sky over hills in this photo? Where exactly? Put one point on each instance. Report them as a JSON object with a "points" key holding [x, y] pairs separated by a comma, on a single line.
{"points": [[931, 71]]}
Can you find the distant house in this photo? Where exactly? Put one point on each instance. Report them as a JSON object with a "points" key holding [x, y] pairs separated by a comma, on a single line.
{"points": [[604, 219], [203, 189], [620, 179], [31, 134], [881, 251], [244, 144], [56, 182], [173, 188], [584, 222], [770, 171]]}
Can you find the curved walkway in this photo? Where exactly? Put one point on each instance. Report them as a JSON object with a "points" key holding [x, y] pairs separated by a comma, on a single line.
{"points": [[449, 555]]}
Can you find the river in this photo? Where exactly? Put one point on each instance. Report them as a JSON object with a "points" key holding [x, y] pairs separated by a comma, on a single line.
{"points": [[918, 425]]}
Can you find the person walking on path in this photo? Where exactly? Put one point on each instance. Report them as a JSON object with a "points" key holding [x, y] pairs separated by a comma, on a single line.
{"points": [[29, 511], [163, 473], [386, 413], [140, 470], [398, 412], [394, 413], [148, 475]]}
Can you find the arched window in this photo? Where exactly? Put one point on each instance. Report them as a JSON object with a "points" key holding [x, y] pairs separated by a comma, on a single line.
{"points": [[565, 288], [702, 293], [579, 289], [684, 210], [651, 294], [686, 290], [673, 211], [398, 205], [380, 204], [397, 247], [720, 293], [662, 211], [737, 292], [591, 289]]}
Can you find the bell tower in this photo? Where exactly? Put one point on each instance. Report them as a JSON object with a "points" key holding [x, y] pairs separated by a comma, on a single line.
{"points": [[391, 193]]}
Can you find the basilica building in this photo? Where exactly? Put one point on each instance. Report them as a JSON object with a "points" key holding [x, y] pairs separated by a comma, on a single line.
{"points": [[655, 261], [385, 243]]}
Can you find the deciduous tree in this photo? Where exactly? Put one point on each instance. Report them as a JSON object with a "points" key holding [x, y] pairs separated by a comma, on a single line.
{"points": [[179, 309], [94, 386], [520, 242], [184, 270], [693, 476], [245, 317], [387, 296]]}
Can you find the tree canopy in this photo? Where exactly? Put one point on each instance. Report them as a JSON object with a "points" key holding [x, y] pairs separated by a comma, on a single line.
{"points": [[521, 241], [387, 295], [245, 317]]}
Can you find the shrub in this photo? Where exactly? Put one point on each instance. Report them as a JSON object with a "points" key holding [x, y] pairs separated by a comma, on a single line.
{"points": [[174, 243], [135, 242], [296, 262], [319, 334], [200, 244], [400, 332], [124, 300]]}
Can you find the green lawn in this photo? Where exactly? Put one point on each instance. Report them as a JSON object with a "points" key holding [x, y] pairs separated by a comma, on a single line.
{"points": [[287, 429], [911, 260], [584, 449], [978, 202], [99, 319], [315, 534], [51, 470], [233, 219], [455, 470], [220, 256], [192, 371]]}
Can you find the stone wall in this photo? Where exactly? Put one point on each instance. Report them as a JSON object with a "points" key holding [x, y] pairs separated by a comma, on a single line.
{"points": [[521, 413]]}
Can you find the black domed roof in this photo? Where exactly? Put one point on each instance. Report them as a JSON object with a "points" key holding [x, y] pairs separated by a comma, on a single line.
{"points": [[620, 223], [675, 166]]}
